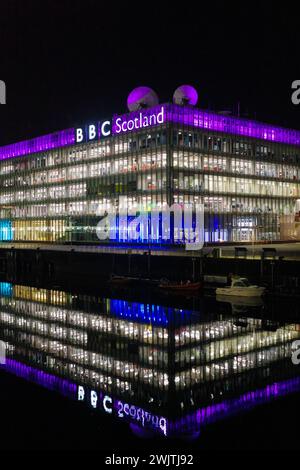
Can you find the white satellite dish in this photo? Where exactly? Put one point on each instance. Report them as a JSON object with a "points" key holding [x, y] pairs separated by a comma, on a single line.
{"points": [[141, 97], [185, 95]]}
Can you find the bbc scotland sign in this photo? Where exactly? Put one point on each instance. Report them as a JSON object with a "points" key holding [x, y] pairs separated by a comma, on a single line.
{"points": [[120, 125]]}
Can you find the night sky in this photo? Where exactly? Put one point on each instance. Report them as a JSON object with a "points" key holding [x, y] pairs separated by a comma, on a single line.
{"points": [[71, 62]]}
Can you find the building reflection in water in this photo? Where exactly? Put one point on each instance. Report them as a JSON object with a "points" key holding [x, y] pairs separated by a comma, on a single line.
{"points": [[164, 370]]}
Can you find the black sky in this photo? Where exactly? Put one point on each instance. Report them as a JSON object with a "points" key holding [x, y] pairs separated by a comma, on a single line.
{"points": [[70, 62]]}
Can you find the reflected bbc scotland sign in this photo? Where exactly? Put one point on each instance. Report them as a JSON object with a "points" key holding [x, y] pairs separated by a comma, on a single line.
{"points": [[121, 409]]}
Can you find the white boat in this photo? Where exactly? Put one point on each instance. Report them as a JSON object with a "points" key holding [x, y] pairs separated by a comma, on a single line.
{"points": [[241, 287]]}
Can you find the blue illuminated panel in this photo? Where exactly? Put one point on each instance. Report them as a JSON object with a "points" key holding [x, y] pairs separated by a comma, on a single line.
{"points": [[146, 227], [6, 232], [145, 313], [6, 289]]}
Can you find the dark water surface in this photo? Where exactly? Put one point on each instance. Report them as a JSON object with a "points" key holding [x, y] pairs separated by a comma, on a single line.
{"points": [[123, 371]]}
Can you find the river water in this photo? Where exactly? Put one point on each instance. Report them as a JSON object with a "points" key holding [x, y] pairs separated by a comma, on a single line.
{"points": [[127, 370]]}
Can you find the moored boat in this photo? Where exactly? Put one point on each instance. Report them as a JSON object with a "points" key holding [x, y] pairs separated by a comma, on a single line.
{"points": [[241, 287], [181, 287]]}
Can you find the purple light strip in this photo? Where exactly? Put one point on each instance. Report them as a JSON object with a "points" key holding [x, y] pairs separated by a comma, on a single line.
{"points": [[193, 117], [190, 117], [231, 125], [70, 390], [49, 381], [200, 417], [227, 408], [39, 144]]}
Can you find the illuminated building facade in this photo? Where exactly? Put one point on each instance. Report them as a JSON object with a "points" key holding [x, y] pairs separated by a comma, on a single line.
{"points": [[58, 187]]}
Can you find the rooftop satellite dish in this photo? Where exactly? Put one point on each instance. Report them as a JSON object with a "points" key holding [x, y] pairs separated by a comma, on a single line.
{"points": [[141, 97], [185, 95]]}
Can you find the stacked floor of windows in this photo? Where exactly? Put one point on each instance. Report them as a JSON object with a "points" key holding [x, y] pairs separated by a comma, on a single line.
{"points": [[76, 334], [250, 189]]}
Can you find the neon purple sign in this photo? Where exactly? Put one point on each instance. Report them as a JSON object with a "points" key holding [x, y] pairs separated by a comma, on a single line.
{"points": [[197, 118], [139, 120], [148, 118]]}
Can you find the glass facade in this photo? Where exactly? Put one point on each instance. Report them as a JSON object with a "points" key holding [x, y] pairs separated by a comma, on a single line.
{"points": [[249, 186]]}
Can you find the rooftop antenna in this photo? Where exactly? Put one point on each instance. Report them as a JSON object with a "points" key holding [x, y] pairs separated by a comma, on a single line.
{"points": [[142, 97], [185, 95]]}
